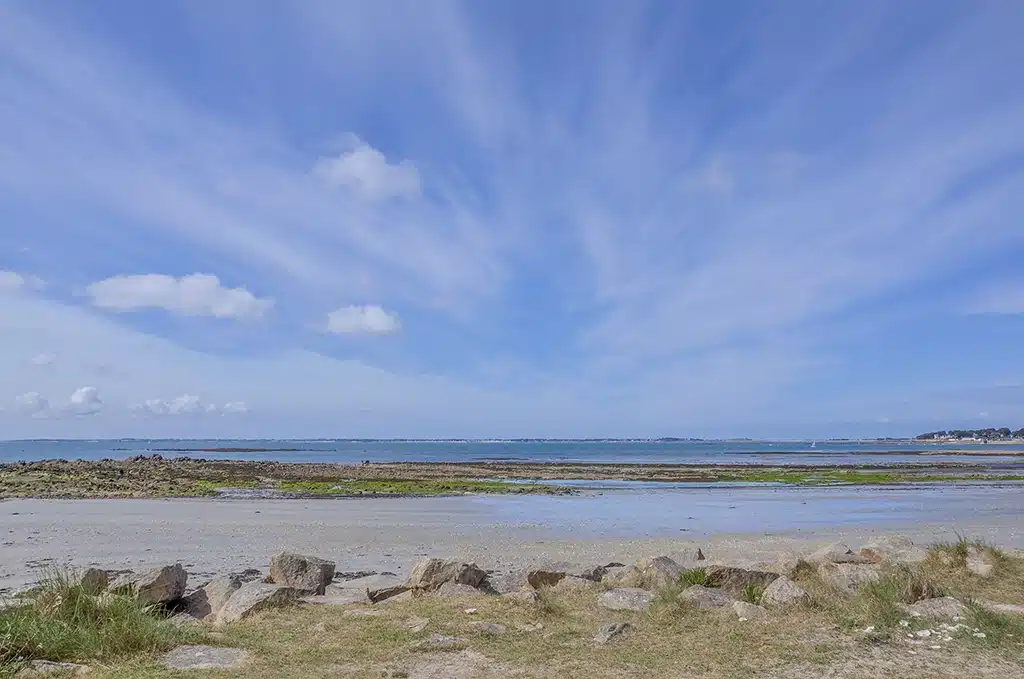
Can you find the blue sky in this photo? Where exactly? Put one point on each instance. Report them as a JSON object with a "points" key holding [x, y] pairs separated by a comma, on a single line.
{"points": [[328, 218]]}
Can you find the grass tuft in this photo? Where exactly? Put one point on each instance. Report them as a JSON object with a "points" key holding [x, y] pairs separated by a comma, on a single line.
{"points": [[62, 622], [752, 594], [694, 576]]}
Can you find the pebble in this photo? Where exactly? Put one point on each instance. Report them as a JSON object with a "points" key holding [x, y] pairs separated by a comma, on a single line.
{"points": [[867, 630], [470, 611], [924, 633], [904, 623], [980, 635]]}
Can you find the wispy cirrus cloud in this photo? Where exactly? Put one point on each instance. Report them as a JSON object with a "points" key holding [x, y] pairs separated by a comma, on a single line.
{"points": [[676, 221]]}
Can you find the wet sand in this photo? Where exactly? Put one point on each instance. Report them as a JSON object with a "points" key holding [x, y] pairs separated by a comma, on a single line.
{"points": [[743, 526]]}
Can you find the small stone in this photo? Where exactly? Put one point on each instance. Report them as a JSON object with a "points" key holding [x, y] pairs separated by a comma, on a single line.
{"points": [[904, 623], [935, 647], [205, 658], [923, 633], [415, 624], [980, 635], [470, 611], [530, 627], [439, 642], [43, 668], [748, 611], [611, 631], [702, 597], [869, 629], [626, 599], [491, 628]]}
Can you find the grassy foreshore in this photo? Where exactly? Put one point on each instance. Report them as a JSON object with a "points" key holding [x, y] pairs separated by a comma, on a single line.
{"points": [[156, 476]]}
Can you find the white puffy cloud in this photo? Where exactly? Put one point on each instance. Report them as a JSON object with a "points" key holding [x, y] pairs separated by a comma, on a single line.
{"points": [[186, 404], [85, 401], [363, 320], [193, 295], [33, 403], [235, 407], [43, 359], [366, 171], [11, 281]]}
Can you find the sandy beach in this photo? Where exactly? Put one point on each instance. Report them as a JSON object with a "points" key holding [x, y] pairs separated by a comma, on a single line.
{"points": [[213, 536]]}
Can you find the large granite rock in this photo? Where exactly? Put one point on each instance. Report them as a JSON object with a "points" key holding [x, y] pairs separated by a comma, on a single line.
{"points": [[206, 602], [253, 597], [849, 576], [46, 668], [430, 574], [659, 572], [734, 580], [626, 599], [784, 593], [699, 596], [307, 574], [156, 586], [92, 580]]}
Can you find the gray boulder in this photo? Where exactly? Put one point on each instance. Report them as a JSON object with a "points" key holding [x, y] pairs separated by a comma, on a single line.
{"points": [[523, 596], [626, 599], [943, 608], [659, 572], [206, 602], [155, 586], [784, 593], [307, 574], [610, 632], [734, 580], [92, 580], [430, 574], [545, 577], [849, 576], [253, 597], [205, 658], [508, 581], [699, 596]]}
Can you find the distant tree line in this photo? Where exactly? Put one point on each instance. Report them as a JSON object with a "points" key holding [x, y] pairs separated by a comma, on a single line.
{"points": [[991, 434]]}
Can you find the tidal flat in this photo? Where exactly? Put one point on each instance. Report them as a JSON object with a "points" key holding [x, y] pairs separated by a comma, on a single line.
{"points": [[155, 476]]}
